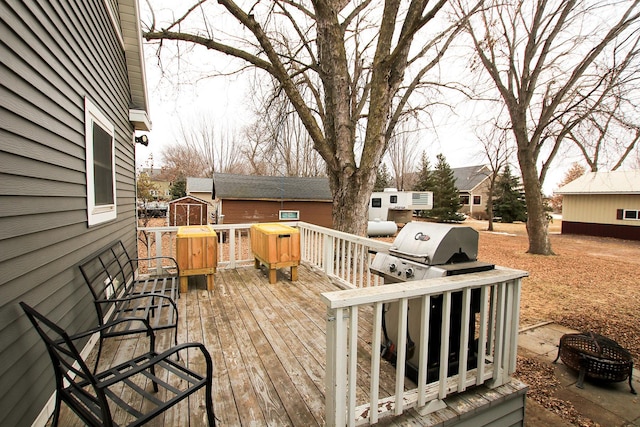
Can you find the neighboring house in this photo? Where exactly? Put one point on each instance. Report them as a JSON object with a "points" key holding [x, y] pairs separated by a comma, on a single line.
{"points": [[473, 185], [73, 94], [162, 187], [239, 199], [602, 204], [189, 210]]}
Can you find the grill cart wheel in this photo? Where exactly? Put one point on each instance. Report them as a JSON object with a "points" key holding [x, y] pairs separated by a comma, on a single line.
{"points": [[596, 357]]}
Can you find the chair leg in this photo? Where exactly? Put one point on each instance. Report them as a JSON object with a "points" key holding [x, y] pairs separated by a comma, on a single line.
{"points": [[582, 372], [95, 366], [56, 411], [209, 403], [152, 368]]}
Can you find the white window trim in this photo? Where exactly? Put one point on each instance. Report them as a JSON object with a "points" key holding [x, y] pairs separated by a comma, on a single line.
{"points": [[101, 213], [624, 215], [289, 215]]}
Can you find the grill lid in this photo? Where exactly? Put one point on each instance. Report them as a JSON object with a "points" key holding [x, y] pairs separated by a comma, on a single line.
{"points": [[434, 244]]}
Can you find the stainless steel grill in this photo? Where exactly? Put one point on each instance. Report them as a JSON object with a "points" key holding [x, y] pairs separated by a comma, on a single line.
{"points": [[424, 250]]}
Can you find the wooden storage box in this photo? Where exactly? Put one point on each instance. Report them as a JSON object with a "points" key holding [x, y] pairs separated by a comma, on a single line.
{"points": [[196, 253], [276, 246]]}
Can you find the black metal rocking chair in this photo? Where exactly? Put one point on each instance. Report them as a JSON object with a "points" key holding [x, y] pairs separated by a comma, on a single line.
{"points": [[96, 398]]}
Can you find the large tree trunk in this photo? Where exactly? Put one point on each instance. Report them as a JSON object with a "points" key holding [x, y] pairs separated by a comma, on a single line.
{"points": [[537, 223], [351, 193]]}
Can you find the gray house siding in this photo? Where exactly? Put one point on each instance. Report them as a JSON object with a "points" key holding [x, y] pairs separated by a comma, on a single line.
{"points": [[52, 56]]}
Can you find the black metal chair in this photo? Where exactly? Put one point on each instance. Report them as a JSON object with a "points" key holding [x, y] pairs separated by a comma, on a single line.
{"points": [[95, 398]]}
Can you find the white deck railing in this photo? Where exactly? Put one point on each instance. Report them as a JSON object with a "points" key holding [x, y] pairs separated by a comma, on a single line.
{"points": [[495, 332], [341, 256], [345, 258]]}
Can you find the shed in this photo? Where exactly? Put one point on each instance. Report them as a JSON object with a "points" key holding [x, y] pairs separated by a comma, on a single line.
{"points": [[603, 204], [188, 210], [241, 199]]}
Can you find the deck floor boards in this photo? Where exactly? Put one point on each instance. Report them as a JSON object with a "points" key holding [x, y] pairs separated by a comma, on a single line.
{"points": [[267, 343]]}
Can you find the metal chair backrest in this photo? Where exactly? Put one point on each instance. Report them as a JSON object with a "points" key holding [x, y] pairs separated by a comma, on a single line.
{"points": [[74, 379]]}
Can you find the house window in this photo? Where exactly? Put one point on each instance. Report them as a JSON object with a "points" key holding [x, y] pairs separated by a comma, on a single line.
{"points": [[100, 164], [464, 200], [376, 202], [631, 214], [393, 199], [477, 200], [289, 215]]}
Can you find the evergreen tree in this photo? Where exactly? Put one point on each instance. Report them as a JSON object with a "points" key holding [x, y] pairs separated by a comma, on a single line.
{"points": [[178, 188], [383, 178], [509, 204], [446, 197], [424, 179]]}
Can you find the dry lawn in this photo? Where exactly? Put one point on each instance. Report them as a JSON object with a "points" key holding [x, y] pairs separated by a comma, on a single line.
{"points": [[591, 284]]}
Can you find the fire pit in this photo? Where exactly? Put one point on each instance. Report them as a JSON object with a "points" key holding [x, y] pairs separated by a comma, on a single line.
{"points": [[596, 357]]}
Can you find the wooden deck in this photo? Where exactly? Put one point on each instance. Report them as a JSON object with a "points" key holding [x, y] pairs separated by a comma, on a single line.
{"points": [[267, 342]]}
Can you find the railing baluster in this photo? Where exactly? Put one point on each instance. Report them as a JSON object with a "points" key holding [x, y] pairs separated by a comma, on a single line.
{"points": [[445, 330], [401, 353], [482, 335], [353, 364], [375, 362], [425, 317], [515, 313], [498, 356], [464, 339]]}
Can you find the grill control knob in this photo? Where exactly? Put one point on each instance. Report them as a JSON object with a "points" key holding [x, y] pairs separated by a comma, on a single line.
{"points": [[409, 273], [392, 267]]}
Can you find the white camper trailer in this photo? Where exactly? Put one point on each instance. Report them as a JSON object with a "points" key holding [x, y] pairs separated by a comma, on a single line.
{"points": [[398, 206]]}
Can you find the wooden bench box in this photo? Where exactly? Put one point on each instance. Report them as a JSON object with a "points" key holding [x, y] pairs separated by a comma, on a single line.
{"points": [[197, 253], [276, 246]]}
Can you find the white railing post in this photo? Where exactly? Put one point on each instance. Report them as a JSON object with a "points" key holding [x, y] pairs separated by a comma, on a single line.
{"points": [[336, 371], [159, 252], [328, 255], [232, 248]]}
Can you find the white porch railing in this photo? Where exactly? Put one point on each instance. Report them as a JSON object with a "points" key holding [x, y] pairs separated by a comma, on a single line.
{"points": [[345, 258], [341, 256], [496, 334]]}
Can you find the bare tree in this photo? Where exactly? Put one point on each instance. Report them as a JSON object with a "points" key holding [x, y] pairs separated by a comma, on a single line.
{"points": [[498, 152], [279, 144], [345, 67], [183, 159], [215, 146], [609, 133], [545, 59], [403, 156]]}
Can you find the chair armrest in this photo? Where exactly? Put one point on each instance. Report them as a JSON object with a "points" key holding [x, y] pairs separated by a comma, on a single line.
{"points": [[158, 259], [92, 331]]}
